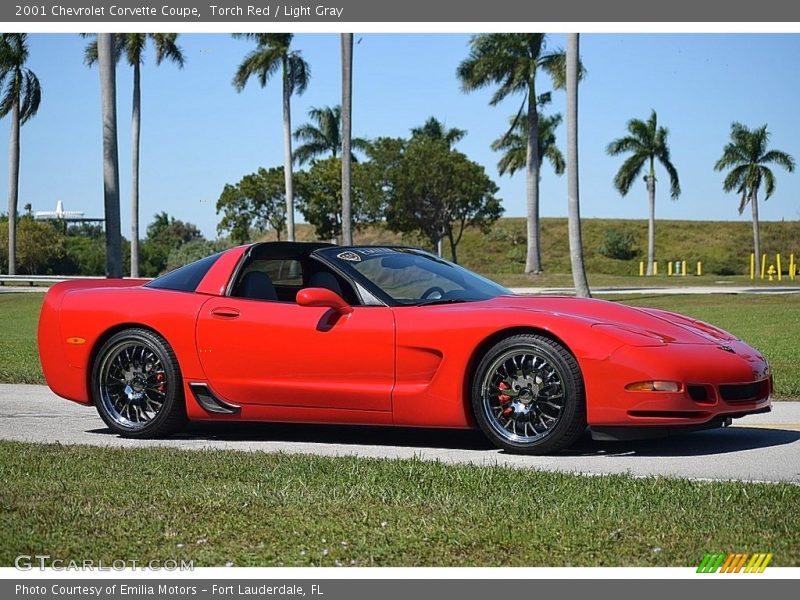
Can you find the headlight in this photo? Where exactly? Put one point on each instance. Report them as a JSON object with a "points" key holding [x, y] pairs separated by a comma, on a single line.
{"points": [[654, 386]]}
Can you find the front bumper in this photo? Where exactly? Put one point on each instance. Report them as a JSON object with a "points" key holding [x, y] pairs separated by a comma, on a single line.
{"points": [[716, 383]]}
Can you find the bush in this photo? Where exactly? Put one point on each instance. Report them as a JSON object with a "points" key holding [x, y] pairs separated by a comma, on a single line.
{"points": [[619, 245], [39, 247]]}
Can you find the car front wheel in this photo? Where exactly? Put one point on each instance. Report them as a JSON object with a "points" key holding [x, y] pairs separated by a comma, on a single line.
{"points": [[528, 395]]}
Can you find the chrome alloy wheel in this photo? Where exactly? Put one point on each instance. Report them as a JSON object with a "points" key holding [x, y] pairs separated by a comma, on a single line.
{"points": [[132, 384], [523, 396]]}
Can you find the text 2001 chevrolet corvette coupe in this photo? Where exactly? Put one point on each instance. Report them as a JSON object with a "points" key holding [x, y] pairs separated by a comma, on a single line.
{"points": [[385, 336]]}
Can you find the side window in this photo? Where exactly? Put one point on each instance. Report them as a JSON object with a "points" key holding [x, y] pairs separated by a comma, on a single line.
{"points": [[282, 271], [276, 279]]}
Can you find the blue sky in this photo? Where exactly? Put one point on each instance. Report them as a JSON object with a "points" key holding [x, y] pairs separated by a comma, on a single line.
{"points": [[198, 133]]}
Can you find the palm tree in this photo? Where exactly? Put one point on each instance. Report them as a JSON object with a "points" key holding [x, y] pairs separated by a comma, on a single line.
{"points": [[21, 95], [435, 129], [106, 57], [573, 196], [133, 46], [646, 143], [347, 135], [511, 61], [747, 156], [514, 145], [273, 53], [323, 135]]}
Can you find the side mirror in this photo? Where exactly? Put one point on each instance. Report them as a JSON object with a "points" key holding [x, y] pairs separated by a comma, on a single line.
{"points": [[325, 298]]}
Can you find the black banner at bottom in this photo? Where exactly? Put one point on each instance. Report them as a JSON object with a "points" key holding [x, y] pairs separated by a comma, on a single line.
{"points": [[705, 586]]}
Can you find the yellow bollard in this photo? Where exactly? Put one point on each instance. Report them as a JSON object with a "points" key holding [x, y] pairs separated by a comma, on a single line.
{"points": [[792, 267], [669, 268], [699, 268], [641, 268], [763, 265], [752, 266], [778, 262], [655, 267], [683, 268]]}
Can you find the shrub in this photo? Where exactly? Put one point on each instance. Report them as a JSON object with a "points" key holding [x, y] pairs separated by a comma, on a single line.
{"points": [[619, 245]]}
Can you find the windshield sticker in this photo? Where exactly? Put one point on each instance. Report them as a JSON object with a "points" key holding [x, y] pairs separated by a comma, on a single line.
{"points": [[349, 256], [375, 251]]}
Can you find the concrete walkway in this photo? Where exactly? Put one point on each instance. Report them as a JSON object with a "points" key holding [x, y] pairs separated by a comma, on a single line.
{"points": [[757, 448]]}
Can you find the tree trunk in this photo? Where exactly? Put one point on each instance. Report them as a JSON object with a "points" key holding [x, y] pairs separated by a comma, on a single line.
{"points": [[533, 260], [347, 131], [287, 152], [108, 93], [651, 223], [135, 133], [13, 187], [573, 192], [453, 244], [756, 231]]}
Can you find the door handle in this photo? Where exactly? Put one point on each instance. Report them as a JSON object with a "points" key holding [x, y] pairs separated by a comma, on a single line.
{"points": [[224, 312]]}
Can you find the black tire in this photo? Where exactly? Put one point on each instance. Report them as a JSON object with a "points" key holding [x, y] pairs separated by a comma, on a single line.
{"points": [[528, 395], [136, 385]]}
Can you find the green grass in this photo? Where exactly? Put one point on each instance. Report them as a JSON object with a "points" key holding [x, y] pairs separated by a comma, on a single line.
{"points": [[769, 323], [19, 358], [723, 247], [280, 510]]}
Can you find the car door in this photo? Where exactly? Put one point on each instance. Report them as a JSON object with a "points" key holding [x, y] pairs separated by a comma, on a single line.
{"points": [[280, 353]]}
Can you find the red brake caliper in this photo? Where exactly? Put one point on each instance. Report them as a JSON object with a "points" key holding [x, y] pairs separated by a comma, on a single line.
{"points": [[161, 387], [503, 398]]}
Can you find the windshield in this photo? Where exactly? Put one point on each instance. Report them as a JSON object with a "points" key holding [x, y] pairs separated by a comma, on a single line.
{"points": [[408, 276]]}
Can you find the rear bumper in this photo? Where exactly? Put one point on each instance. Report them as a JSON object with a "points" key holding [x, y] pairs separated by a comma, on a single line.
{"points": [[714, 384]]}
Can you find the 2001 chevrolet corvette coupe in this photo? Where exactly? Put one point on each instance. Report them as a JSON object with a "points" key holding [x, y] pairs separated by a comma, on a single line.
{"points": [[319, 333]]}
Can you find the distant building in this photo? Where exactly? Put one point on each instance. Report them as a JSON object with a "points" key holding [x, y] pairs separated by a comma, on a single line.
{"points": [[64, 215]]}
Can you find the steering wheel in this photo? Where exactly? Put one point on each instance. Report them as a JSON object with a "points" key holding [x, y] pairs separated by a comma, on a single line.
{"points": [[432, 290]]}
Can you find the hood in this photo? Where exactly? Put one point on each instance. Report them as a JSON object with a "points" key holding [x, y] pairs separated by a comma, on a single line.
{"points": [[637, 326]]}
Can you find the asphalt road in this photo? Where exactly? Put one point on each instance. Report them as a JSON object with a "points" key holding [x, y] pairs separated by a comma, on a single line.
{"points": [[757, 448]]}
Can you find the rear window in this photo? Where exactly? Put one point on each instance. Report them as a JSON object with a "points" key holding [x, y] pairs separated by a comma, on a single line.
{"points": [[186, 278]]}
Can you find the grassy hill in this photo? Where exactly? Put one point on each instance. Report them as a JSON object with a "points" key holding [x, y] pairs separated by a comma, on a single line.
{"points": [[723, 246]]}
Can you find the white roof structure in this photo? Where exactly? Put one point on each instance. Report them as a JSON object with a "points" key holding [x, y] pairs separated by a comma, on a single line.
{"points": [[64, 215]]}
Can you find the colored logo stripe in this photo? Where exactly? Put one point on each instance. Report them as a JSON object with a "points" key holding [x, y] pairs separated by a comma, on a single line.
{"points": [[734, 563]]}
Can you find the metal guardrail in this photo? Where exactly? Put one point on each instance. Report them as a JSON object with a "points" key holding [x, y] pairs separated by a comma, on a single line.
{"points": [[46, 279]]}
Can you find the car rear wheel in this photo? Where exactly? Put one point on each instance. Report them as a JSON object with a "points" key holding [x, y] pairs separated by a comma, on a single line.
{"points": [[137, 386], [528, 395]]}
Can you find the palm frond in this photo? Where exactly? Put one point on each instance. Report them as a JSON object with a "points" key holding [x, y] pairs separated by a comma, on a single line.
{"points": [[629, 172], [625, 144], [674, 182], [777, 157], [167, 48], [768, 177], [30, 96], [298, 74], [736, 179]]}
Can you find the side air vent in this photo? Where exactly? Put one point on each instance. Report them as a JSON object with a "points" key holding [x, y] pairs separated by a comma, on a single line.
{"points": [[206, 398]]}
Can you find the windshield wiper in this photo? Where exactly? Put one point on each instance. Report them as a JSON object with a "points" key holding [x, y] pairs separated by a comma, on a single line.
{"points": [[441, 301]]}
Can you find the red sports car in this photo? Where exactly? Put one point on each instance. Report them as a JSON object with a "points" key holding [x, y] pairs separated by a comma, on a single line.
{"points": [[318, 333]]}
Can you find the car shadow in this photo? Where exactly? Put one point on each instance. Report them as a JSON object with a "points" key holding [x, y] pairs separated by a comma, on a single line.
{"points": [[348, 435], [702, 443], [699, 443]]}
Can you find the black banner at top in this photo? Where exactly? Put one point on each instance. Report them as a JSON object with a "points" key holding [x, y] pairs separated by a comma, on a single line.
{"points": [[441, 11]]}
